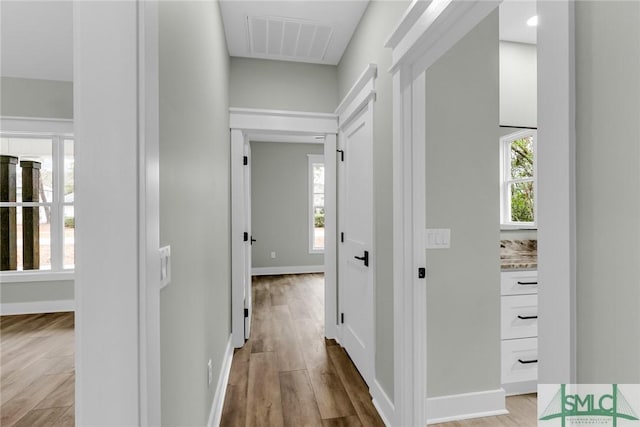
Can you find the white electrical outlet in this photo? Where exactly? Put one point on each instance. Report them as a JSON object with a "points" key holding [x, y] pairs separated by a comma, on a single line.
{"points": [[438, 238], [209, 372], [273, 255]]}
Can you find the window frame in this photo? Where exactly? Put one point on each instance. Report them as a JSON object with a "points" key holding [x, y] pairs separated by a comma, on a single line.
{"points": [[506, 180], [58, 131], [313, 159]]}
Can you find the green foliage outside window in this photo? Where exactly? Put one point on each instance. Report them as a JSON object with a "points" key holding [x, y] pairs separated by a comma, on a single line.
{"points": [[522, 193], [318, 218]]}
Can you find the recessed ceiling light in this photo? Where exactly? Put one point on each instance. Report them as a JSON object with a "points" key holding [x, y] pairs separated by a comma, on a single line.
{"points": [[533, 21]]}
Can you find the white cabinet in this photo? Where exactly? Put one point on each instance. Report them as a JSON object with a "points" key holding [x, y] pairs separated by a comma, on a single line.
{"points": [[519, 331], [518, 282]]}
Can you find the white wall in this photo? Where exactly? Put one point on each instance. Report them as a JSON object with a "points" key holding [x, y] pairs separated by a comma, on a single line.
{"points": [[280, 204], [107, 215], [608, 191], [518, 84], [194, 206], [462, 173]]}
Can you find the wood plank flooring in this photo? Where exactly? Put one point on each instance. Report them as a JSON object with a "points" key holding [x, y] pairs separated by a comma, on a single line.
{"points": [[287, 373], [37, 373]]}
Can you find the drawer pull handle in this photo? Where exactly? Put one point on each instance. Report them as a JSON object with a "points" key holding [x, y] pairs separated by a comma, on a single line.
{"points": [[527, 283], [527, 317], [526, 362]]}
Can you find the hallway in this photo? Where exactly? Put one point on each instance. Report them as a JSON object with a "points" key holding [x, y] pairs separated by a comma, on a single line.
{"points": [[287, 374]]}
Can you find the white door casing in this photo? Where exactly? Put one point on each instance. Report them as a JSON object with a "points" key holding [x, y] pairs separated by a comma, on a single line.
{"points": [[356, 254], [426, 32], [129, 379], [245, 122]]}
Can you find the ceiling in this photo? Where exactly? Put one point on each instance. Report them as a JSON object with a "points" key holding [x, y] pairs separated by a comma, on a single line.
{"points": [[37, 39], [513, 21], [37, 36], [302, 30]]}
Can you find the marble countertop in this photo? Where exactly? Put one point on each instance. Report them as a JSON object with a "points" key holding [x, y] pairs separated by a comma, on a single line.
{"points": [[518, 254]]}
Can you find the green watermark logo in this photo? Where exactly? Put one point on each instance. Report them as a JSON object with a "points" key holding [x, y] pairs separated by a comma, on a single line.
{"points": [[589, 404]]}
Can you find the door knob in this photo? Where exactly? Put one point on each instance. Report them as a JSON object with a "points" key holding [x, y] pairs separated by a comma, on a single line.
{"points": [[253, 240], [364, 258]]}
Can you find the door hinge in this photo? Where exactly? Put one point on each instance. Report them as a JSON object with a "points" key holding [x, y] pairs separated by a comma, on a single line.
{"points": [[341, 155], [341, 317], [245, 160], [246, 312], [245, 237], [341, 237], [422, 273]]}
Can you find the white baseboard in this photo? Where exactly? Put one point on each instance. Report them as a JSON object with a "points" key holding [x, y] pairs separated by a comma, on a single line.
{"points": [[525, 387], [465, 406], [383, 404], [295, 269], [221, 388], [34, 307]]}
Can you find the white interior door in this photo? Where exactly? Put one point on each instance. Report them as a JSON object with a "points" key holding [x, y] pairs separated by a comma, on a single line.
{"points": [[247, 246], [356, 257]]}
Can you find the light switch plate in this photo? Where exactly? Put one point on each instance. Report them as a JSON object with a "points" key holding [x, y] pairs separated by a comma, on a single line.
{"points": [[165, 266], [438, 238]]}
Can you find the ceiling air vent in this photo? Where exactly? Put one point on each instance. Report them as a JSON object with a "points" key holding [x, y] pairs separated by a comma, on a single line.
{"points": [[286, 38]]}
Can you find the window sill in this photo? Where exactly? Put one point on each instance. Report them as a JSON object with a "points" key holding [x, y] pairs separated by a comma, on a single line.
{"points": [[316, 252], [508, 227], [41, 276]]}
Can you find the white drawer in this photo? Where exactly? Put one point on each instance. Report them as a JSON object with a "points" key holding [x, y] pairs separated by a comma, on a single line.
{"points": [[519, 360], [519, 316], [518, 282]]}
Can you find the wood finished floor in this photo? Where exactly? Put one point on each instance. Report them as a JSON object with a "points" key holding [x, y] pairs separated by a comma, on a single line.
{"points": [[287, 374], [37, 373]]}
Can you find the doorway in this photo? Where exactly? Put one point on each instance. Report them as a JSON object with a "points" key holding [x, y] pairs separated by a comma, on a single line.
{"points": [[250, 124], [414, 51], [518, 145]]}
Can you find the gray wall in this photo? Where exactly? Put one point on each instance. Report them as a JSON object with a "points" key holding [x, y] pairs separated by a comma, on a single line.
{"points": [[36, 98], [58, 290], [280, 204], [194, 205], [463, 300], [281, 85], [367, 46], [518, 84], [608, 189]]}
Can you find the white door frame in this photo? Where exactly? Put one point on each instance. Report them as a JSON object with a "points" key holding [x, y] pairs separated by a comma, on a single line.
{"points": [[427, 31], [245, 122], [149, 213], [117, 274]]}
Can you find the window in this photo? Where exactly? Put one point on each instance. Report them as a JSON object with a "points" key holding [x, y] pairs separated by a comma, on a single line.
{"points": [[37, 201], [518, 180], [316, 203]]}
